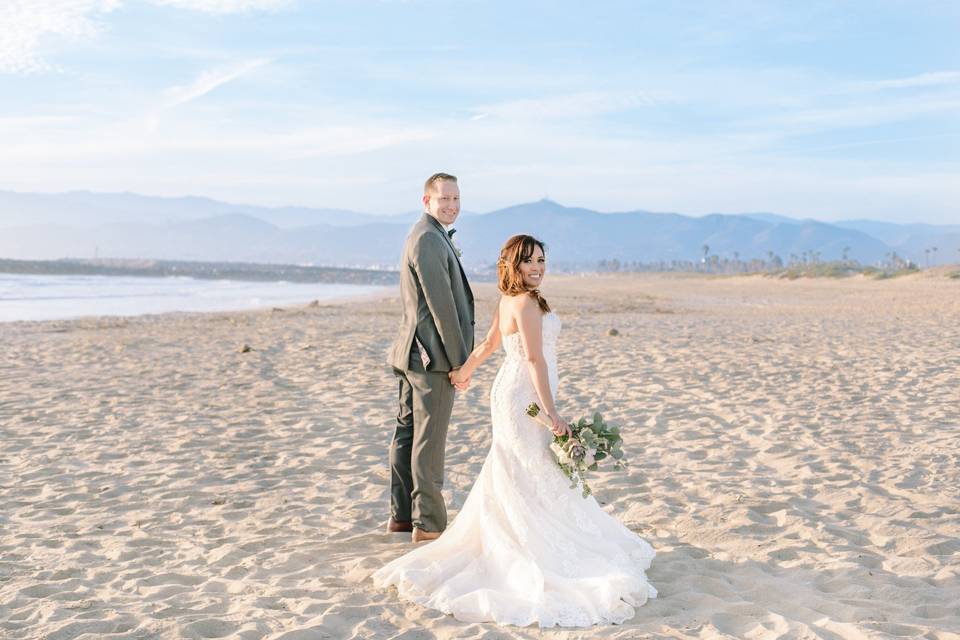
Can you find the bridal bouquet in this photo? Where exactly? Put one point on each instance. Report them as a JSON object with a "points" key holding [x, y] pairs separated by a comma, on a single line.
{"points": [[592, 440]]}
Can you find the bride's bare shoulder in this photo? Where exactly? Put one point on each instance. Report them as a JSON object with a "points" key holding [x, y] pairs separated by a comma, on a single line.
{"points": [[521, 309], [517, 303]]}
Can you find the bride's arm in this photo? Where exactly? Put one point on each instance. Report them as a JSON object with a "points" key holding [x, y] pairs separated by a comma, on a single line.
{"points": [[482, 351], [530, 323]]}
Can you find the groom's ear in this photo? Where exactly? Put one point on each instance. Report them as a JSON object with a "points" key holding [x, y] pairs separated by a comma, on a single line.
{"points": [[426, 200]]}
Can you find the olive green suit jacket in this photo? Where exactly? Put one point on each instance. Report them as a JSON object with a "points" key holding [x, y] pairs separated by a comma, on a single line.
{"points": [[437, 303]]}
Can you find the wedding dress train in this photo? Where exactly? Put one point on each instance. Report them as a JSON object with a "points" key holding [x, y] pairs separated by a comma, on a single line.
{"points": [[526, 548]]}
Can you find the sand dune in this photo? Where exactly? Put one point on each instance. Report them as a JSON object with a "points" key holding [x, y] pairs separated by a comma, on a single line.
{"points": [[795, 452]]}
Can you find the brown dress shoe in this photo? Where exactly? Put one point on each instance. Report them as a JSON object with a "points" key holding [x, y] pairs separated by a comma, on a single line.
{"points": [[419, 535], [395, 526]]}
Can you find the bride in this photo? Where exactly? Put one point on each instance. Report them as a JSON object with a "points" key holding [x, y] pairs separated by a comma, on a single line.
{"points": [[525, 548]]}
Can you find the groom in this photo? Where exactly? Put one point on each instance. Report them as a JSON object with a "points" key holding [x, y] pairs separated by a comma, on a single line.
{"points": [[436, 336]]}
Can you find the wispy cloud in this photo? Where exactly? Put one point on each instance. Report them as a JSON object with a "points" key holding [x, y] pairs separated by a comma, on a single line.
{"points": [[572, 105], [30, 27], [35, 122], [208, 81], [28, 24], [226, 6], [124, 140], [500, 162], [817, 120], [932, 79]]}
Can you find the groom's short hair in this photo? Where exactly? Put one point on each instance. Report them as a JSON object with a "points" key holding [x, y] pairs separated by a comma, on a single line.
{"points": [[435, 178]]}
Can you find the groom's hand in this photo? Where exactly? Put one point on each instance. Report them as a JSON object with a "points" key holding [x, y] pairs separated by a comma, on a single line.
{"points": [[458, 380]]}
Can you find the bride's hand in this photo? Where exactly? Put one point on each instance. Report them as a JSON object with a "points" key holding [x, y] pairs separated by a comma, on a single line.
{"points": [[459, 380], [559, 426]]}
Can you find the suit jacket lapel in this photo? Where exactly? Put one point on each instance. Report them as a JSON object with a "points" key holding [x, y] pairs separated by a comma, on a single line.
{"points": [[463, 274], [439, 227], [446, 236]]}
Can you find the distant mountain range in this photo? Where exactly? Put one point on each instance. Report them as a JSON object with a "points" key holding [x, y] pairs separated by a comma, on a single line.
{"points": [[86, 225]]}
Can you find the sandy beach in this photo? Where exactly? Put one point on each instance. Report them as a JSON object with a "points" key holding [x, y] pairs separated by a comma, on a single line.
{"points": [[794, 448]]}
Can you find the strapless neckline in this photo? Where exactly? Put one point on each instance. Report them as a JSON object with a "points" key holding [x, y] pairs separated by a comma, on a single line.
{"points": [[517, 333]]}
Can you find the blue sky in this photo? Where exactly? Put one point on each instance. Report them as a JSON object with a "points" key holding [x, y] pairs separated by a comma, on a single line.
{"points": [[830, 110]]}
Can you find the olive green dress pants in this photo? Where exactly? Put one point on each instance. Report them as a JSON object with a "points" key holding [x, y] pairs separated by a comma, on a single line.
{"points": [[418, 446]]}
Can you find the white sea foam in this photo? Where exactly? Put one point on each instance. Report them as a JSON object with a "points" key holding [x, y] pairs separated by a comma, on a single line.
{"points": [[51, 297]]}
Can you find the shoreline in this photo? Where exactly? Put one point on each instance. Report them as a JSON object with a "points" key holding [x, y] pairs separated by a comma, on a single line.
{"points": [[50, 299], [714, 285], [199, 270]]}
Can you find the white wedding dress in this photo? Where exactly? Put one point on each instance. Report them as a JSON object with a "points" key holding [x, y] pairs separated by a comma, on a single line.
{"points": [[526, 548]]}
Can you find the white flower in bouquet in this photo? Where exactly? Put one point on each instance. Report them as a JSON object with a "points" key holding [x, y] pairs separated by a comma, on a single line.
{"points": [[589, 459], [575, 449], [559, 452]]}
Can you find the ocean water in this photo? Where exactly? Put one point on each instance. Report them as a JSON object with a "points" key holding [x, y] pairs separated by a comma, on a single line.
{"points": [[54, 297]]}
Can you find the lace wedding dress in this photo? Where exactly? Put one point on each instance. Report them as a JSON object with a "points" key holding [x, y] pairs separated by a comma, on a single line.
{"points": [[526, 548]]}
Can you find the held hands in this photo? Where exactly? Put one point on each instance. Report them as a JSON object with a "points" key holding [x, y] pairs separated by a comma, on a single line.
{"points": [[459, 379]]}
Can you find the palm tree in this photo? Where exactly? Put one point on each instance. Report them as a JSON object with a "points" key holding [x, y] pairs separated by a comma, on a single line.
{"points": [[927, 252], [934, 256], [846, 253]]}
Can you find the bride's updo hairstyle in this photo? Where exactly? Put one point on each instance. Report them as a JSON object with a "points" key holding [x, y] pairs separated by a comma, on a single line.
{"points": [[515, 251]]}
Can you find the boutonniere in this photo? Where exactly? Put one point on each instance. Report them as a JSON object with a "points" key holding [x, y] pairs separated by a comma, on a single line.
{"points": [[456, 247]]}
